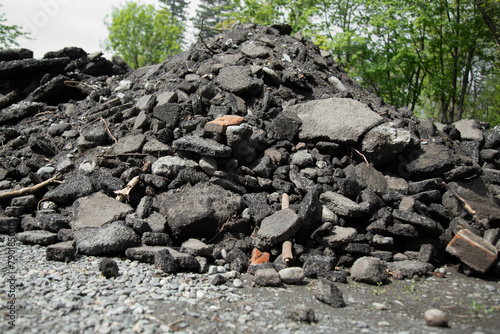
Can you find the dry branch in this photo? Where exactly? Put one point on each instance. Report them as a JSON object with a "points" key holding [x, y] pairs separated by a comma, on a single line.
{"points": [[122, 195], [203, 41], [29, 190], [467, 206], [286, 253]]}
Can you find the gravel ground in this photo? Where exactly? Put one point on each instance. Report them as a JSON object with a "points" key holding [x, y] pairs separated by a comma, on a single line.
{"points": [[56, 297]]}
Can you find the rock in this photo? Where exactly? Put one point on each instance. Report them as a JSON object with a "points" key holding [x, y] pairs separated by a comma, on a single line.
{"points": [[320, 120], [477, 194], [469, 129], [285, 126], [420, 221], [279, 227], [208, 164], [329, 293], [130, 144], [196, 248], [198, 210], [339, 236], [202, 146], [253, 50], [108, 268], [435, 318], [431, 160], [164, 261], [156, 239], [62, 251], [473, 250], [73, 188], [292, 275], [171, 166], [369, 270], [300, 313], [384, 142], [341, 205], [218, 280], [409, 269], [51, 221], [108, 239], [319, 265], [239, 80], [97, 210], [267, 277], [167, 113], [42, 238]]}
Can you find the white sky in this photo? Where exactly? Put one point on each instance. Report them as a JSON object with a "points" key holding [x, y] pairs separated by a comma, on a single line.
{"points": [[55, 24]]}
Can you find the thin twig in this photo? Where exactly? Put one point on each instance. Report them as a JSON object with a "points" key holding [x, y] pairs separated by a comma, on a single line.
{"points": [[122, 195], [203, 41], [122, 155], [361, 154], [29, 190], [467, 206], [107, 128]]}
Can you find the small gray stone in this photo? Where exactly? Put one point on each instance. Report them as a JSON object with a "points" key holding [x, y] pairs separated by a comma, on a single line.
{"points": [[436, 318], [202, 146], [42, 238], [339, 235], [280, 226], [62, 251], [300, 313], [411, 268], [208, 164], [292, 275], [170, 166], [108, 268], [130, 144], [328, 293], [267, 277], [370, 270], [342, 205], [165, 261], [196, 247]]}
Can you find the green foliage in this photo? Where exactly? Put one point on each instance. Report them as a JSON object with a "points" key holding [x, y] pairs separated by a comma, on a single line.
{"points": [[214, 14], [142, 35], [9, 33]]}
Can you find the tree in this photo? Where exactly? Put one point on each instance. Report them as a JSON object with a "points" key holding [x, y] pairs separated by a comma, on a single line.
{"points": [[142, 35], [9, 33], [213, 13], [178, 12]]}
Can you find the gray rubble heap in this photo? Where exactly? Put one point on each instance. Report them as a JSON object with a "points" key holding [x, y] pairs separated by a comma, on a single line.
{"points": [[364, 179]]}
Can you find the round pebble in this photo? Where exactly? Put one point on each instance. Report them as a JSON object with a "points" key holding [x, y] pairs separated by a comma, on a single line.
{"points": [[436, 318]]}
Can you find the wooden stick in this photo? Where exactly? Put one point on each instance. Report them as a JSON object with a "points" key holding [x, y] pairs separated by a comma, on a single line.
{"points": [[109, 131], [29, 190], [286, 253], [467, 206], [122, 195], [361, 154], [203, 41]]}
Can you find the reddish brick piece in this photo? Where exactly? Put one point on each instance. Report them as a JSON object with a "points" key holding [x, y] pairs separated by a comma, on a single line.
{"points": [[258, 257], [473, 250], [219, 125]]}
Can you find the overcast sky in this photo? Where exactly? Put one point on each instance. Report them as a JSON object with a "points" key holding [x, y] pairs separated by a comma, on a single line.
{"points": [[55, 24]]}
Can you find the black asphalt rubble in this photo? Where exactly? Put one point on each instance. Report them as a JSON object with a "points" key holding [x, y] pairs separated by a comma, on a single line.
{"points": [[100, 159]]}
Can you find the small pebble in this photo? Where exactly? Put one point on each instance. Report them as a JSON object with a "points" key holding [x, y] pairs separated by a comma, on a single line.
{"points": [[436, 318]]}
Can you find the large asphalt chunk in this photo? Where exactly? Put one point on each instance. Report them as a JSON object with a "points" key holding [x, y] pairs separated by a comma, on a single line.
{"points": [[279, 227], [479, 195], [384, 142], [98, 209], [239, 80], [341, 205], [72, 188], [335, 119], [111, 238], [430, 160], [202, 146], [420, 221], [197, 211]]}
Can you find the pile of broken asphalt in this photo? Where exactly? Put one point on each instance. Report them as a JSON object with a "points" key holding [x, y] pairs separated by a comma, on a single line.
{"points": [[225, 153]]}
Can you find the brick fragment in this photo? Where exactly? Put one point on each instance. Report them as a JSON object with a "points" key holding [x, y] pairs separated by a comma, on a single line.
{"points": [[219, 125], [473, 250]]}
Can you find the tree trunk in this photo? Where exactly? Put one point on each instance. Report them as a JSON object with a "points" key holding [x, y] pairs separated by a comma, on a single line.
{"points": [[465, 84]]}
